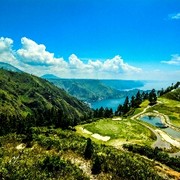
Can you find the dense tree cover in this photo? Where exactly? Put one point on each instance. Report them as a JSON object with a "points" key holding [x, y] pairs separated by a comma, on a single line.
{"points": [[130, 104], [169, 89], [26, 101], [171, 92], [103, 113], [156, 154], [46, 159], [123, 109]]}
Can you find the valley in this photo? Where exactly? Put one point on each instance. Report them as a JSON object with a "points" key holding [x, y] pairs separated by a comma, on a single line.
{"points": [[89, 90], [48, 134]]}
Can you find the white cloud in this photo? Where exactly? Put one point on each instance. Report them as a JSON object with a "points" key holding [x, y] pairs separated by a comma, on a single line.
{"points": [[114, 66], [75, 62], [175, 16], [117, 65], [175, 60], [34, 58], [6, 52], [35, 54]]}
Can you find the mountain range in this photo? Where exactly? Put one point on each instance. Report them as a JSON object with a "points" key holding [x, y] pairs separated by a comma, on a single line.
{"points": [[96, 89], [89, 90], [35, 101]]}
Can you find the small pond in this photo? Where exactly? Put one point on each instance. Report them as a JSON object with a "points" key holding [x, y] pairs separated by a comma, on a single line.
{"points": [[156, 121]]}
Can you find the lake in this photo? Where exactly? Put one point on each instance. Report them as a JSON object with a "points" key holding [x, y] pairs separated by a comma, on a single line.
{"points": [[109, 103]]}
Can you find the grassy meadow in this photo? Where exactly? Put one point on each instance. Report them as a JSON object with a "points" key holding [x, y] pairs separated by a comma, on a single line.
{"points": [[121, 131]]}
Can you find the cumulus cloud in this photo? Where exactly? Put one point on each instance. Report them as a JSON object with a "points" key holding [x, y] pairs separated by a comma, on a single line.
{"points": [[117, 65], [175, 60], [6, 52], [35, 54], [75, 62], [175, 16], [33, 57]]}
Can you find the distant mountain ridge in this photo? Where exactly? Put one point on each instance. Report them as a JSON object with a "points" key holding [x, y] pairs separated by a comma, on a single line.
{"points": [[9, 67], [50, 76], [95, 89], [87, 89]]}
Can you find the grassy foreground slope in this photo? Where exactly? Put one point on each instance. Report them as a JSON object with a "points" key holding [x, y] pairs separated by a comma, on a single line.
{"points": [[59, 154]]}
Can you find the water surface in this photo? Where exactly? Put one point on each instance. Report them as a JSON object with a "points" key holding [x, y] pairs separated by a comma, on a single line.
{"points": [[156, 121], [110, 103]]}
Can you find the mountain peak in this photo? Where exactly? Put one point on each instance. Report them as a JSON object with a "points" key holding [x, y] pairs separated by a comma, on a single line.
{"points": [[9, 67], [50, 76]]}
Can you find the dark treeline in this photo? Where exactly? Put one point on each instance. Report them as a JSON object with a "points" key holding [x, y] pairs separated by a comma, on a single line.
{"points": [[52, 117], [127, 108], [168, 89], [103, 112], [129, 105]]}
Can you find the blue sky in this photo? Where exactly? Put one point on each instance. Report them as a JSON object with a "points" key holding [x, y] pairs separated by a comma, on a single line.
{"points": [[121, 39]]}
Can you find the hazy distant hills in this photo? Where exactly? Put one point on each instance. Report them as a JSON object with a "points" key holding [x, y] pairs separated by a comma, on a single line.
{"points": [[9, 67], [123, 84], [23, 95], [93, 89], [86, 89], [49, 76]]}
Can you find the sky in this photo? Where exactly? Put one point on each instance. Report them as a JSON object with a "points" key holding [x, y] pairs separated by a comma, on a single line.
{"points": [[99, 39]]}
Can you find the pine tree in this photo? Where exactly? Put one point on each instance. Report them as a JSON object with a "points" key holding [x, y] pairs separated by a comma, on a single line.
{"points": [[126, 106], [152, 97], [119, 110], [138, 99], [133, 102], [89, 149], [96, 168], [101, 112]]}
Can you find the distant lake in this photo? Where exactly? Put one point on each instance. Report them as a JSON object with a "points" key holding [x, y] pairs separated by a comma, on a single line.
{"points": [[109, 103], [113, 103]]}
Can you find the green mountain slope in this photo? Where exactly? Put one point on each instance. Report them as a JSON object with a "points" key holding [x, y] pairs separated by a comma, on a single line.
{"points": [[26, 99]]}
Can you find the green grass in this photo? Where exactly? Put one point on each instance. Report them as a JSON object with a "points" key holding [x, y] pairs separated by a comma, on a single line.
{"points": [[170, 108], [143, 105], [124, 130]]}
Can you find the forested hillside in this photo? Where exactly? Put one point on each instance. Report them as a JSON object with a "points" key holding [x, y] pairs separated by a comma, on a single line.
{"points": [[26, 100], [87, 89]]}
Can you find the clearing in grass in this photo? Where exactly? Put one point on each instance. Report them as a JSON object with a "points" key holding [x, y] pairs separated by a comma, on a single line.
{"points": [[124, 130]]}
